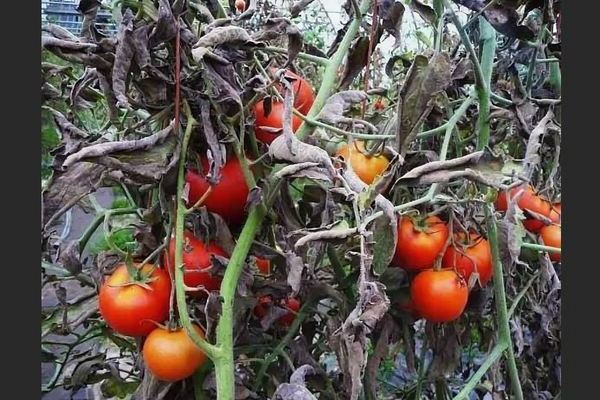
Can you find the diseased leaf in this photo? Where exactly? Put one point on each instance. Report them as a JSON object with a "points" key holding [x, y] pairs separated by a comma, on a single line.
{"points": [[274, 28], [339, 103], [391, 19], [357, 59], [296, 389]]}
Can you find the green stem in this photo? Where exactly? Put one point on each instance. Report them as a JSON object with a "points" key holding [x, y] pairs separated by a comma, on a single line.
{"points": [[488, 45], [540, 247], [533, 60], [211, 351], [438, 6], [500, 300], [304, 56], [89, 232], [330, 73], [494, 355], [224, 365]]}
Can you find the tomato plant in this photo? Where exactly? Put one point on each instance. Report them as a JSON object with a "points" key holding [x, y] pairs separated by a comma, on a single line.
{"points": [[366, 167], [439, 296], [227, 197], [529, 201], [420, 242], [470, 253], [132, 305], [171, 355], [197, 262]]}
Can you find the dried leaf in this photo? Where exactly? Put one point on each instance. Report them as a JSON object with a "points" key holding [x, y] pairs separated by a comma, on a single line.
{"points": [[357, 59], [339, 103], [425, 79], [299, 6], [89, 9], [391, 19], [532, 157], [424, 11], [296, 389]]}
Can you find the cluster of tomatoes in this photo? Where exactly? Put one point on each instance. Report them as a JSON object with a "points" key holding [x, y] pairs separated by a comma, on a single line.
{"points": [[441, 294], [532, 203]]}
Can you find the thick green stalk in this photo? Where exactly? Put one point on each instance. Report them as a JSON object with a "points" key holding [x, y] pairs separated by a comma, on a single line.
{"points": [[540, 247], [488, 50], [501, 307], [210, 350], [330, 74], [224, 364]]}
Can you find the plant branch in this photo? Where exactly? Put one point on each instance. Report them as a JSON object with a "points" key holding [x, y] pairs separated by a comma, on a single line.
{"points": [[330, 73], [540, 247]]}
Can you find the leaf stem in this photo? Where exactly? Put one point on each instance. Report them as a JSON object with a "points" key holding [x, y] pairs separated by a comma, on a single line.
{"points": [[488, 50]]}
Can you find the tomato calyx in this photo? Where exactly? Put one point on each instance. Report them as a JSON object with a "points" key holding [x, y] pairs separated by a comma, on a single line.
{"points": [[137, 276]]}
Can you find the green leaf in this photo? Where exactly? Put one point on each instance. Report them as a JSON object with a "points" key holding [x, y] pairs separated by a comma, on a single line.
{"points": [[113, 387]]}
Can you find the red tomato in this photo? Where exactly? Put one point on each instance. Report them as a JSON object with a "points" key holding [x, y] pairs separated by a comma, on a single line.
{"points": [[264, 266], [379, 105], [476, 256], [419, 245], [304, 95], [228, 197], [240, 5], [439, 296], [196, 260], [290, 303], [528, 201], [131, 309], [365, 167], [551, 235], [171, 355], [273, 120]]}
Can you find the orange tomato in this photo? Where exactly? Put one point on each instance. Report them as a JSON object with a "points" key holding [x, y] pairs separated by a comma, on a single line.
{"points": [[530, 201], [367, 168], [439, 296], [419, 243], [171, 355], [551, 236], [475, 256]]}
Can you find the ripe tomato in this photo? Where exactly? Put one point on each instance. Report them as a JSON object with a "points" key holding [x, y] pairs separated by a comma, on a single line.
{"points": [[171, 355], [529, 200], [228, 197], [290, 303], [475, 256], [129, 308], [367, 168], [419, 242], [273, 120], [264, 265], [379, 105], [551, 235], [304, 95], [439, 296], [240, 5], [196, 260]]}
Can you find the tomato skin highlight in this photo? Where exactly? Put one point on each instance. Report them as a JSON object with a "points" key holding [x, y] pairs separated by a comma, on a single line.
{"points": [[197, 262], [172, 356], [273, 120], [418, 249], [365, 167], [477, 256], [228, 197], [439, 296], [551, 235], [130, 310]]}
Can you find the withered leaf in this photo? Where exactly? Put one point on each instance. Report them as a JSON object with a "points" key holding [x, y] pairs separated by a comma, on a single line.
{"points": [[165, 28], [424, 11], [89, 9], [340, 102], [357, 59], [296, 389], [274, 28], [391, 19], [298, 7], [425, 79], [532, 157]]}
